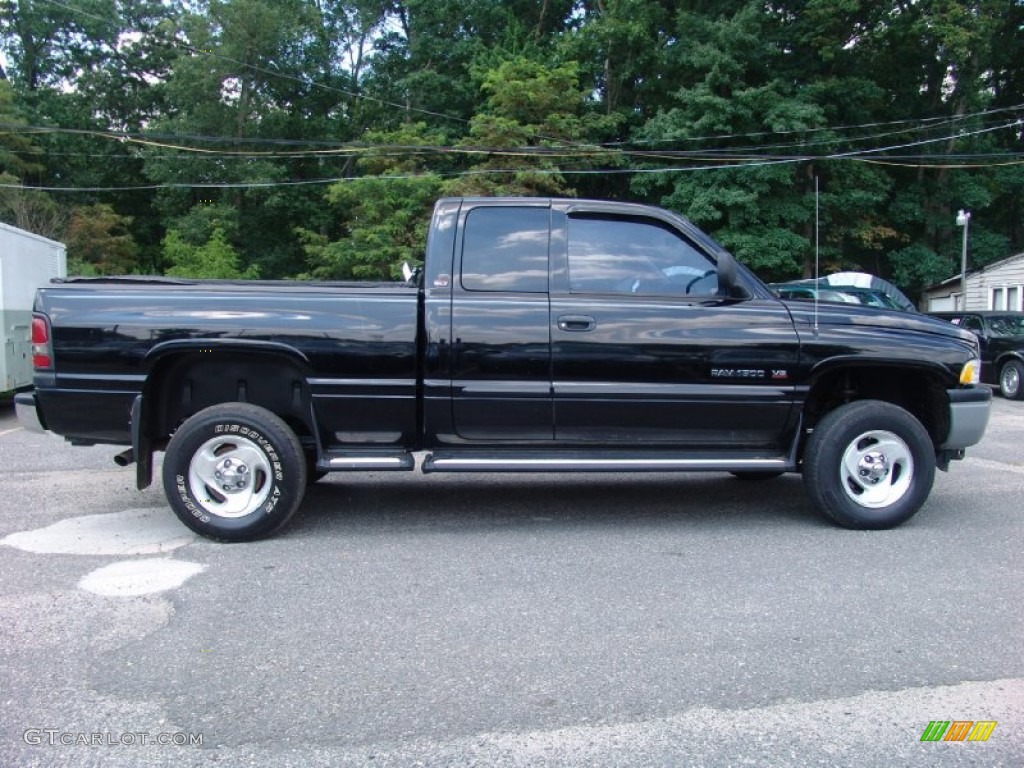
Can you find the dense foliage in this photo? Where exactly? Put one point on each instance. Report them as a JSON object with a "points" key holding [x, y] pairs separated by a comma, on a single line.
{"points": [[309, 138]]}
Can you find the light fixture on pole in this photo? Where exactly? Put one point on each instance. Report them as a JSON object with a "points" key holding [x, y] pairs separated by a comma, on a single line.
{"points": [[963, 219]]}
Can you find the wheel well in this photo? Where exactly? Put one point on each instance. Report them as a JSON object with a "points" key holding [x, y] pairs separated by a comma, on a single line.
{"points": [[180, 385], [919, 392], [1004, 359]]}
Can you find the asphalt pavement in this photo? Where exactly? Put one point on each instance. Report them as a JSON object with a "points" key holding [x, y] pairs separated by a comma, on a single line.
{"points": [[509, 620]]}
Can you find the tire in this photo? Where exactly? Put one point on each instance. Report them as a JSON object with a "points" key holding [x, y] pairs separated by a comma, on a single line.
{"points": [[1011, 380], [869, 465], [249, 450], [756, 476]]}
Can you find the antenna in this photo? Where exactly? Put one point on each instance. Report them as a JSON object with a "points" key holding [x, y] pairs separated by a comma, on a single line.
{"points": [[817, 251]]}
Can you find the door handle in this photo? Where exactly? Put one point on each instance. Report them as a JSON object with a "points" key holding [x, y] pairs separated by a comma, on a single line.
{"points": [[576, 323]]}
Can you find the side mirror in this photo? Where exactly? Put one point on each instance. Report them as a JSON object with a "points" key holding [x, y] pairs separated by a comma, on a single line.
{"points": [[729, 285], [411, 274]]}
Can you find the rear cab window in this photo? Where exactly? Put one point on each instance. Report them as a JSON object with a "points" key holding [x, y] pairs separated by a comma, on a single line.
{"points": [[506, 249]]}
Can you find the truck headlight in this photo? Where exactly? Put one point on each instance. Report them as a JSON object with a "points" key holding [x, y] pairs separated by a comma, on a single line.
{"points": [[971, 372]]}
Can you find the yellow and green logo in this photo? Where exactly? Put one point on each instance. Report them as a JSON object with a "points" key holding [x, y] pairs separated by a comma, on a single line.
{"points": [[958, 730]]}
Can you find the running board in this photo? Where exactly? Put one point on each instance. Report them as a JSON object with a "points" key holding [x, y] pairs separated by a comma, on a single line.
{"points": [[576, 462], [335, 461]]}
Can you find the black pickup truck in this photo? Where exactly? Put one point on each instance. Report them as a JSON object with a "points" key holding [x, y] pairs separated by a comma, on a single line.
{"points": [[541, 335], [1001, 338]]}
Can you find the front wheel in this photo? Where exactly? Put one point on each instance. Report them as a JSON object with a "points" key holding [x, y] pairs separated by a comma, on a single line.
{"points": [[234, 472], [869, 465], [1010, 380]]}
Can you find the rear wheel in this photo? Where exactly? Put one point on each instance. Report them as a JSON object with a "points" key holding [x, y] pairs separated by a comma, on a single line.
{"points": [[234, 472], [869, 465], [1011, 378]]}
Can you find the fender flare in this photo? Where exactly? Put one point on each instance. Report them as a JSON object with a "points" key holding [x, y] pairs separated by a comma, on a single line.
{"points": [[177, 346], [142, 445]]}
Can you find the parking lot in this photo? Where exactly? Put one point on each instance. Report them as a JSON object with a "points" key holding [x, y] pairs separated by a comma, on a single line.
{"points": [[488, 620]]}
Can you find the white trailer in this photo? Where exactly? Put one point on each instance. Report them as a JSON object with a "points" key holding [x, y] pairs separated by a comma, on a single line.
{"points": [[27, 261]]}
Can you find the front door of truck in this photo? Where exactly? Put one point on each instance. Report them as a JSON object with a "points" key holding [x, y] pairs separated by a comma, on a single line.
{"points": [[501, 343], [645, 351]]}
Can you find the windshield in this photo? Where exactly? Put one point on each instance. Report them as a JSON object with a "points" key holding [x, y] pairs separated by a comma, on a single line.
{"points": [[845, 294], [877, 300], [807, 294], [1007, 326]]}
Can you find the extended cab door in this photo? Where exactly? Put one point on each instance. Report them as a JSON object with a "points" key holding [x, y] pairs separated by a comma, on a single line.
{"points": [[501, 342], [644, 350]]}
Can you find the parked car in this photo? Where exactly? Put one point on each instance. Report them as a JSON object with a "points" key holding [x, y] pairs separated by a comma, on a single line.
{"points": [[842, 294], [1001, 335]]}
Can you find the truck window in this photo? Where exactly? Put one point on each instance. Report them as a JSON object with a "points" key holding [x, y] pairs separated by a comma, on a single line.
{"points": [[614, 254], [972, 323], [506, 249]]}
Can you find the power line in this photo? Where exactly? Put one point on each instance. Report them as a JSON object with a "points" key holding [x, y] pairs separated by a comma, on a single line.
{"points": [[734, 157], [913, 125], [499, 172], [405, 150]]}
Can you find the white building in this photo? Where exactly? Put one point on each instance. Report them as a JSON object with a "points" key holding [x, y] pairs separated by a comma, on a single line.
{"points": [[997, 286]]}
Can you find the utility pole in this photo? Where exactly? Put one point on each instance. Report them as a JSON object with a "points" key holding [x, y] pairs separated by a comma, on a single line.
{"points": [[963, 219]]}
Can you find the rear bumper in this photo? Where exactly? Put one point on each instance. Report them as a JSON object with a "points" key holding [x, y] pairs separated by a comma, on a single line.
{"points": [[968, 417], [27, 410]]}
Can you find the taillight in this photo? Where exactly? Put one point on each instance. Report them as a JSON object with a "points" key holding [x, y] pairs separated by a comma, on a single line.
{"points": [[42, 353]]}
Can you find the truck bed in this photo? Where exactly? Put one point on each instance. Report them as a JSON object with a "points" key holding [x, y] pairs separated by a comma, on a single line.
{"points": [[351, 344]]}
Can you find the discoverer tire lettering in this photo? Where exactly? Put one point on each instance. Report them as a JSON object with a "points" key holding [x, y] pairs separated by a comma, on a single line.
{"points": [[234, 472]]}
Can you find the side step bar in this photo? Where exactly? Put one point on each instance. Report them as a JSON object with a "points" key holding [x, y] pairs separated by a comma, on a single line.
{"points": [[555, 462], [336, 461], [443, 462]]}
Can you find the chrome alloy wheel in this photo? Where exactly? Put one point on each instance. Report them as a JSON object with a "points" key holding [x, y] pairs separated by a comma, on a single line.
{"points": [[877, 469], [1009, 381], [229, 476]]}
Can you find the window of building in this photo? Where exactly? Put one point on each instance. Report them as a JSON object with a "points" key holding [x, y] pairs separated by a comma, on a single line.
{"points": [[1013, 298], [997, 298]]}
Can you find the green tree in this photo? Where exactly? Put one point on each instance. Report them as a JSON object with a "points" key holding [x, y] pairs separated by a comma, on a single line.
{"points": [[383, 216], [762, 210], [30, 209], [422, 61], [532, 124], [937, 66], [241, 110], [79, 70], [230, 98], [215, 259], [99, 241], [19, 155], [618, 44]]}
